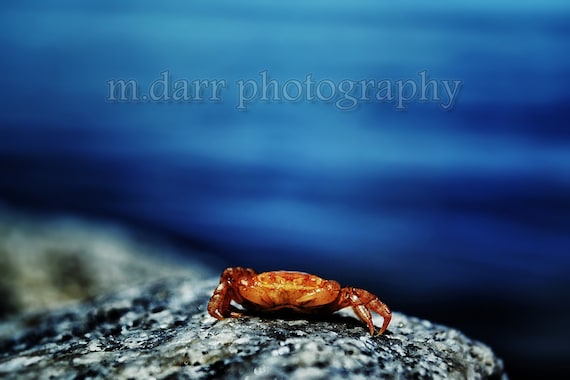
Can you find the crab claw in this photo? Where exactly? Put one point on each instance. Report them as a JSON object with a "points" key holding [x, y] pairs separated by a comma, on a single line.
{"points": [[220, 306]]}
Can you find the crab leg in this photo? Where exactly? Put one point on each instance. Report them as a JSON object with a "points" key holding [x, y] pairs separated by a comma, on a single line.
{"points": [[364, 314], [362, 302], [382, 309]]}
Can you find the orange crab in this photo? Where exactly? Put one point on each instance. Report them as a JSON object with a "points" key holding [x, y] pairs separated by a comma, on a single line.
{"points": [[302, 292]]}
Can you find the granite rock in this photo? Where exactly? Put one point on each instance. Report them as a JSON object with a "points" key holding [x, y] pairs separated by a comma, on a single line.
{"points": [[162, 331]]}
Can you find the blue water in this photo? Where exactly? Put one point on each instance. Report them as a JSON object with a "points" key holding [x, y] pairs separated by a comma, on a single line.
{"points": [[442, 213]]}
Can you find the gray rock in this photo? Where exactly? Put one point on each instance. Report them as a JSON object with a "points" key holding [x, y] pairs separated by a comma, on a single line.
{"points": [[162, 331]]}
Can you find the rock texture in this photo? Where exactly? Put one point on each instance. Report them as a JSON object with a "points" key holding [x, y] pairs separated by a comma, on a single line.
{"points": [[163, 331]]}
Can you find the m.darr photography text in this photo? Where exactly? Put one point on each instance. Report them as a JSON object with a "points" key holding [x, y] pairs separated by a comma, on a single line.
{"points": [[345, 94]]}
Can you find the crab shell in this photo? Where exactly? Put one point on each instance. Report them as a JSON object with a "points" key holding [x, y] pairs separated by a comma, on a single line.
{"points": [[290, 290]]}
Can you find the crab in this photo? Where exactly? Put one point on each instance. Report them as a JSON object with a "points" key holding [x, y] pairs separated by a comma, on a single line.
{"points": [[298, 291]]}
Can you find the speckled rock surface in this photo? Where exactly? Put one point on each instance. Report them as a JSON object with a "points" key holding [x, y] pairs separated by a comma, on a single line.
{"points": [[162, 331]]}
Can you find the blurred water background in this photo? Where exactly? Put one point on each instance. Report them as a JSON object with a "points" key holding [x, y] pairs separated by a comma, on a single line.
{"points": [[459, 216]]}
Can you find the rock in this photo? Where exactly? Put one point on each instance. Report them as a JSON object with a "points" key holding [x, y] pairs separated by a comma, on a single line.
{"points": [[162, 330], [144, 315], [47, 262]]}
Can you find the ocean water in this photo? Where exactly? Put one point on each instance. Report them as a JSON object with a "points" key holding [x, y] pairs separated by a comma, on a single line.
{"points": [[460, 215]]}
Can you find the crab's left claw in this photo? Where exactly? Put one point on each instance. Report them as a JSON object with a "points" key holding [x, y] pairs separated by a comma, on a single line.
{"points": [[219, 302], [220, 306]]}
